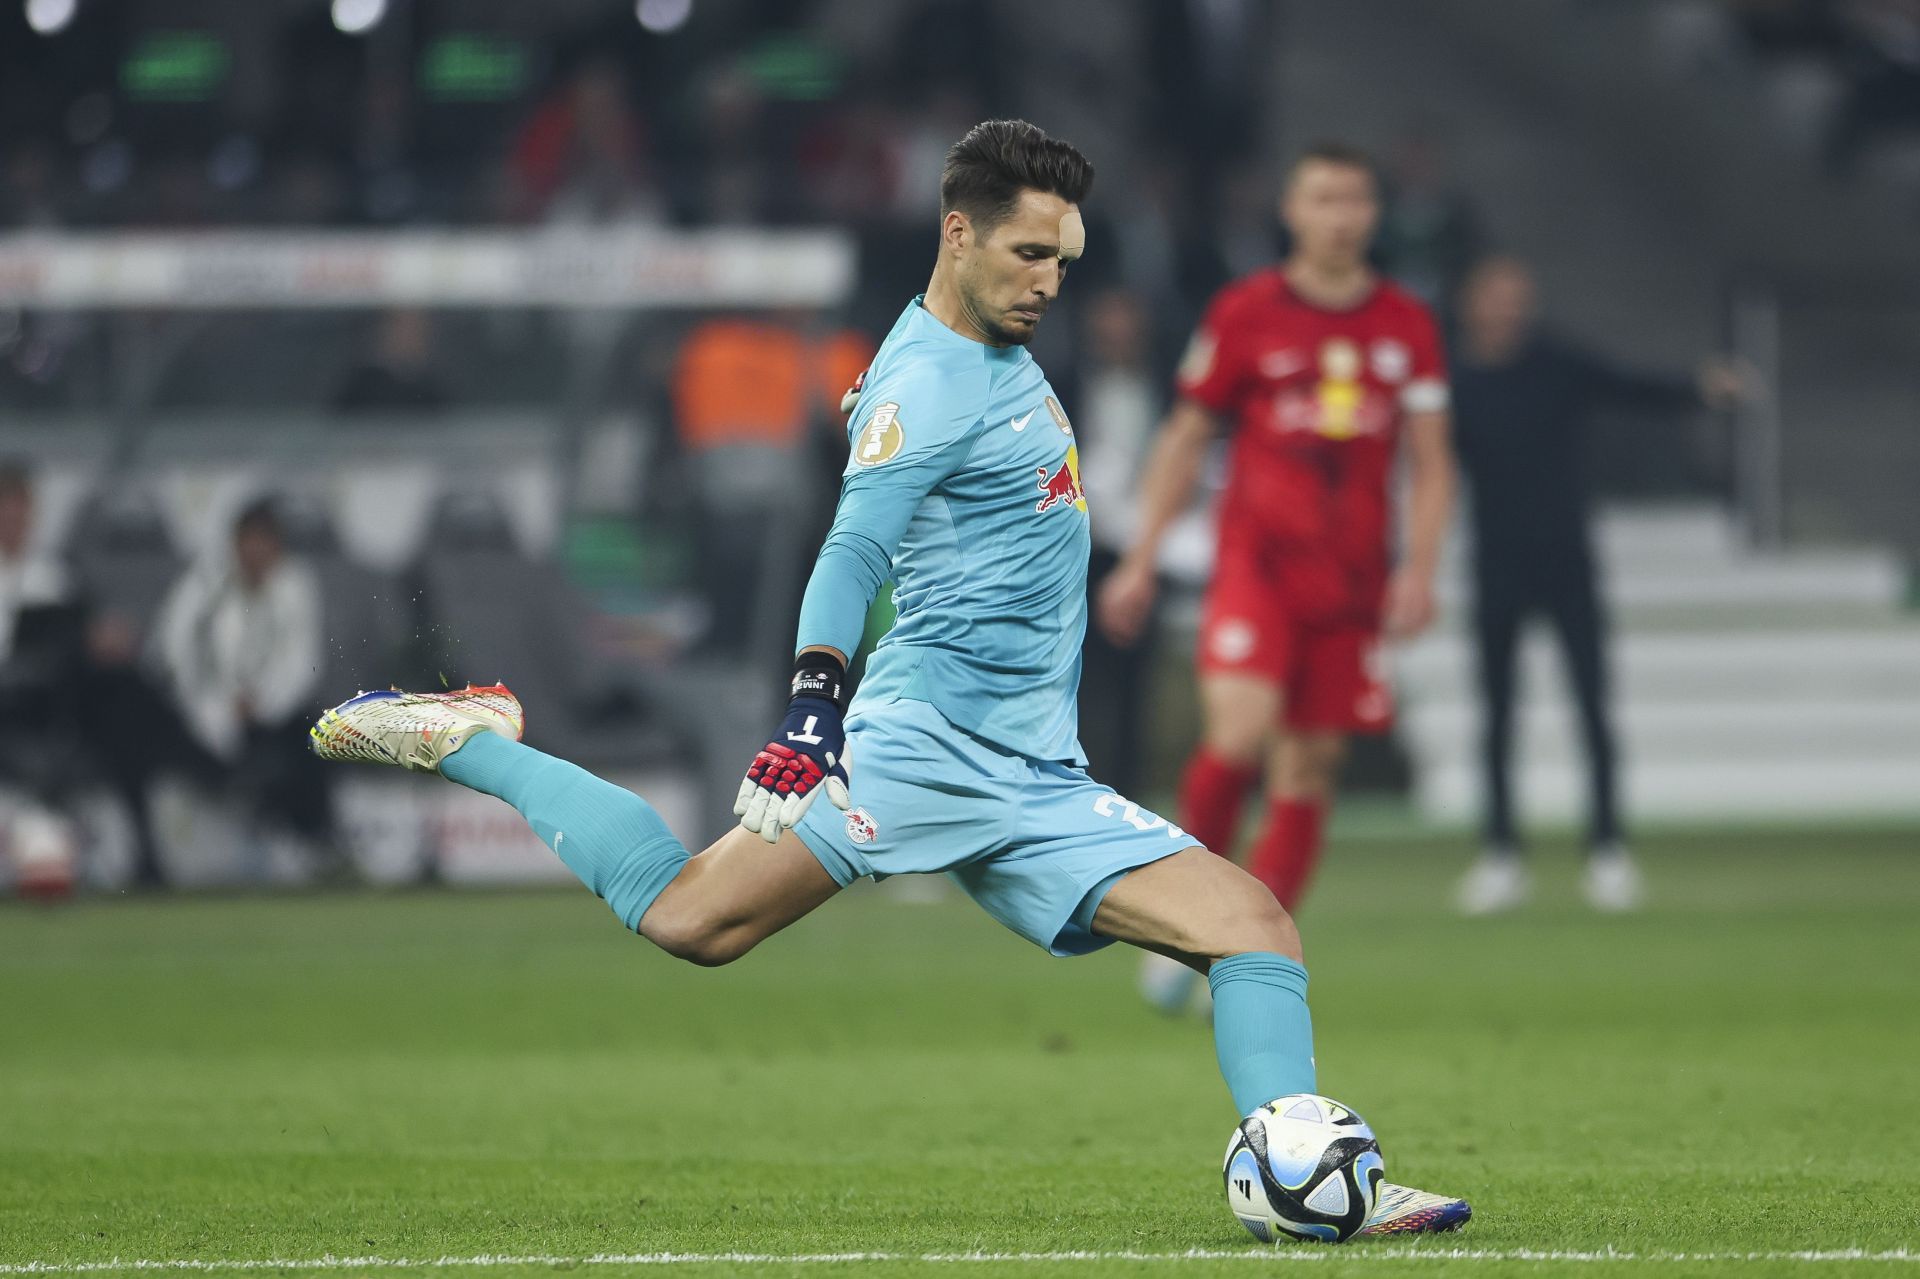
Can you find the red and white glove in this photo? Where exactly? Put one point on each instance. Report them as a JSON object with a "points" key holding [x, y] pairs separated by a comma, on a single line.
{"points": [[807, 755]]}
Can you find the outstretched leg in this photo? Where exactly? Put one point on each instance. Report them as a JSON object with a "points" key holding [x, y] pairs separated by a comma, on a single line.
{"points": [[709, 909]]}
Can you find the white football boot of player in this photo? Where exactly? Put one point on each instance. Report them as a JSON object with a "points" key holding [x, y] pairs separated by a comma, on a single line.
{"points": [[1167, 984], [415, 731], [1612, 883], [1402, 1210], [1493, 885]]}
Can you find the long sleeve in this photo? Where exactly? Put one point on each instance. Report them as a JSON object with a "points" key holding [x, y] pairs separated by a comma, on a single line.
{"points": [[907, 435], [1605, 383], [877, 503]]}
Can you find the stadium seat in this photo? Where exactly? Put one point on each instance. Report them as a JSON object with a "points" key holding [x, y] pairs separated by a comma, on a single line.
{"points": [[491, 613], [123, 555], [366, 615]]}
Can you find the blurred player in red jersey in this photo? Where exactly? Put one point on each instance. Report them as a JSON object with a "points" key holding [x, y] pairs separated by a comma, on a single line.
{"points": [[1318, 368]]}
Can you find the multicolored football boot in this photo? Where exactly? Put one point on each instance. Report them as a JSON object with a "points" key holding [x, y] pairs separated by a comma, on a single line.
{"points": [[415, 731], [1402, 1210]]}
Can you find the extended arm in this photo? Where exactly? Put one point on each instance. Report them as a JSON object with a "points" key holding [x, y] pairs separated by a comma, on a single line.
{"points": [[1615, 385], [1430, 500], [1166, 489]]}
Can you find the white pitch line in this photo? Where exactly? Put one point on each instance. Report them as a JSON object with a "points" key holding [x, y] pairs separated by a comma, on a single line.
{"points": [[1260, 1255]]}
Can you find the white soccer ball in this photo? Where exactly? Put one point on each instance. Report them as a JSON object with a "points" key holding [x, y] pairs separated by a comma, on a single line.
{"points": [[1303, 1167]]}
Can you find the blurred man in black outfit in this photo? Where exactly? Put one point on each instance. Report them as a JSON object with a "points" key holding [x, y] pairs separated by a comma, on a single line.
{"points": [[1522, 401]]}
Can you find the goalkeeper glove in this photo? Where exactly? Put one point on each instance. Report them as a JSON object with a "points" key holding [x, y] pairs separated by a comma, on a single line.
{"points": [[808, 753]]}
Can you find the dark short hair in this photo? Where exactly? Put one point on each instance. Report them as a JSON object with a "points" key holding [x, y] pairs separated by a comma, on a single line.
{"points": [[998, 159], [261, 515], [1344, 154]]}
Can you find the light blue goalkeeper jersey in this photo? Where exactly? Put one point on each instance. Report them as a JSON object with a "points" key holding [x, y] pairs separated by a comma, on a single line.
{"points": [[963, 484]]}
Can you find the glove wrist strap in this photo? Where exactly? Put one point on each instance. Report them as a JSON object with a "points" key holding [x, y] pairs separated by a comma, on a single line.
{"points": [[820, 675]]}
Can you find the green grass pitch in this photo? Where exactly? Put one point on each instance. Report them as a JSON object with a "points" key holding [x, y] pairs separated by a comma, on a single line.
{"points": [[421, 1076]]}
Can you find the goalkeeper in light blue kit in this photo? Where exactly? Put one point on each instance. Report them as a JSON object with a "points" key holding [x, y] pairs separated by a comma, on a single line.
{"points": [[960, 752]]}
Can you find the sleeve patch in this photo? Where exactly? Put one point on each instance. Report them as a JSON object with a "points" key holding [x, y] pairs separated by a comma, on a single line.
{"points": [[882, 438]]}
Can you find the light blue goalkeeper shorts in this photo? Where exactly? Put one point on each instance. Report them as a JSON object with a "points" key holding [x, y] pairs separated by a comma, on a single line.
{"points": [[1037, 844]]}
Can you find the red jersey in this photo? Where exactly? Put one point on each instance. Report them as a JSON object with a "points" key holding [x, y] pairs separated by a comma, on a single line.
{"points": [[1316, 399]]}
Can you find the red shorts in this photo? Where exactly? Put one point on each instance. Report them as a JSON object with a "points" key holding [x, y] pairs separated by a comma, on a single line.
{"points": [[1332, 674]]}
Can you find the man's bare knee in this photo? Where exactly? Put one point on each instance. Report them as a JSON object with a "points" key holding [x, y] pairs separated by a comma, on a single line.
{"points": [[1258, 923], [1306, 766], [697, 936], [1237, 714], [1198, 908], [1234, 744]]}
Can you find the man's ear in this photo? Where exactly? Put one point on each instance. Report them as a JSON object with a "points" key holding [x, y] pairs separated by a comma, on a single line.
{"points": [[956, 232]]}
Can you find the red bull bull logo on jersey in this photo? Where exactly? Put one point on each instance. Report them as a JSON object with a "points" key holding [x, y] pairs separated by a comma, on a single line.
{"points": [[1061, 487]]}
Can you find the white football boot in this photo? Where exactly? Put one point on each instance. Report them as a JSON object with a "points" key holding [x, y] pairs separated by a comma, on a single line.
{"points": [[1498, 882], [1402, 1210], [415, 731], [1612, 883]]}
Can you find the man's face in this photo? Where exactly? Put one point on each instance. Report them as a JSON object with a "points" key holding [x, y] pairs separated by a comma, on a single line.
{"points": [[1009, 277], [1117, 328], [257, 550], [1498, 299], [1331, 209]]}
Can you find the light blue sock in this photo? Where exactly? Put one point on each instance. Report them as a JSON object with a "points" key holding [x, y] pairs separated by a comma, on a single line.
{"points": [[607, 835], [1262, 1032]]}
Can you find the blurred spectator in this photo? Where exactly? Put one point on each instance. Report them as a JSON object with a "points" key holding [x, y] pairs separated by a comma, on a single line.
{"points": [[1429, 234], [851, 164], [748, 394], [69, 677], [398, 374], [240, 637], [1249, 236], [28, 197], [1521, 405], [37, 669], [1116, 404], [1163, 246], [582, 157], [29, 578], [731, 171], [943, 113], [383, 148]]}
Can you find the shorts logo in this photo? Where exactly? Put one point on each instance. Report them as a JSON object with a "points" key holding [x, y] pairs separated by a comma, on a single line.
{"points": [[881, 438], [1233, 640], [860, 826]]}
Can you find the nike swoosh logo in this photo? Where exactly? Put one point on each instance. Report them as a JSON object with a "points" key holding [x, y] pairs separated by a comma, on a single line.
{"points": [[1020, 423]]}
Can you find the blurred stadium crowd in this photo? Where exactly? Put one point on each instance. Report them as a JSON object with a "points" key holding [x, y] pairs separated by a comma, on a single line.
{"points": [[136, 655]]}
